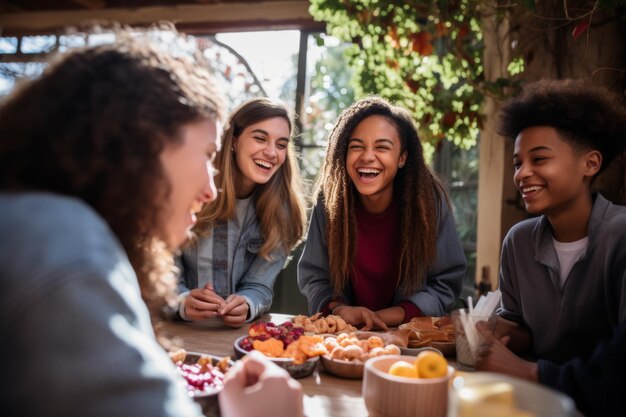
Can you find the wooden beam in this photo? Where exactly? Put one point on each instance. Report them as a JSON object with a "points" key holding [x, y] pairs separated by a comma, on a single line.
{"points": [[6, 6], [263, 13], [91, 4]]}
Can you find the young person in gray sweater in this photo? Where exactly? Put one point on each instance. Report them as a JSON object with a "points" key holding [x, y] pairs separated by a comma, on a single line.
{"points": [[104, 160], [563, 273]]}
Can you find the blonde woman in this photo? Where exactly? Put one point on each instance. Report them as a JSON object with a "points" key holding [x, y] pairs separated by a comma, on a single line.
{"points": [[245, 236]]}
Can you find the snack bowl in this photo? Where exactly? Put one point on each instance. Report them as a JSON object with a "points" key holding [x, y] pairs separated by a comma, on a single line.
{"points": [[447, 349], [388, 395], [207, 398], [343, 368], [296, 370], [416, 351]]}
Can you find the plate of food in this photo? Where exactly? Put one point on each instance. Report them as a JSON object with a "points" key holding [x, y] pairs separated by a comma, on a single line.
{"points": [[435, 332], [203, 376], [347, 353], [343, 368], [285, 345]]}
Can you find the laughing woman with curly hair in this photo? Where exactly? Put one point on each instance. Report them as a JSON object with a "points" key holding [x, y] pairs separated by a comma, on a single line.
{"points": [[382, 247]]}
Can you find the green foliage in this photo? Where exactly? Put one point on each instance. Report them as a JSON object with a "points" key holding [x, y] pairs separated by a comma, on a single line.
{"points": [[424, 55], [427, 55]]}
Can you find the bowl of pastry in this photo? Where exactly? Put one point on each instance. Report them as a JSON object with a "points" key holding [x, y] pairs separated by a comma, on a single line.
{"points": [[347, 354]]}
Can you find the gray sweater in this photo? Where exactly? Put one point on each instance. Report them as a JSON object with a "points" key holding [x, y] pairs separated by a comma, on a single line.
{"points": [[568, 322], [76, 335], [443, 280]]}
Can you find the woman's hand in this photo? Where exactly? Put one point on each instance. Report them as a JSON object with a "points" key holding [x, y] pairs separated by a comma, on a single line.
{"points": [[257, 387], [360, 315], [494, 356], [235, 310], [203, 303]]}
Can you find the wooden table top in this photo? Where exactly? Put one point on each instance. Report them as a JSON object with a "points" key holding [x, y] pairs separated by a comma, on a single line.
{"points": [[324, 394]]}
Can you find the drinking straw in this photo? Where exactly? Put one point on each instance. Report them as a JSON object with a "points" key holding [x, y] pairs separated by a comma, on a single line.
{"points": [[469, 332], [480, 305], [470, 305]]}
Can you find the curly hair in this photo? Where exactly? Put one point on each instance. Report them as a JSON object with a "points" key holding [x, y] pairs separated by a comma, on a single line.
{"points": [[420, 199], [279, 203], [587, 116], [94, 125]]}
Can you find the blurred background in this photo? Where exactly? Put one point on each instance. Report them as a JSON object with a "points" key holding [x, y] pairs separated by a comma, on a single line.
{"points": [[449, 62]]}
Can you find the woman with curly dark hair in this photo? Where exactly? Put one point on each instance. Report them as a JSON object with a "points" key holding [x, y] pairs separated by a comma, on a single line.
{"points": [[563, 273], [382, 247], [104, 161]]}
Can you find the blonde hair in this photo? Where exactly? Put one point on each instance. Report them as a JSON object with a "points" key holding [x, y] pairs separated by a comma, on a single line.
{"points": [[279, 203]]}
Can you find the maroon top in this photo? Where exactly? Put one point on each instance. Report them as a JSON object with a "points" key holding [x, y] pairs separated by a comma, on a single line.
{"points": [[375, 275]]}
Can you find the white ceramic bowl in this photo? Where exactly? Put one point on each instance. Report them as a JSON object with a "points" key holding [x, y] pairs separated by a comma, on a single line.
{"points": [[296, 370]]}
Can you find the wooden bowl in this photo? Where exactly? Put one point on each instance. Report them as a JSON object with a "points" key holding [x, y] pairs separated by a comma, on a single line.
{"points": [[343, 368], [296, 370], [388, 395]]}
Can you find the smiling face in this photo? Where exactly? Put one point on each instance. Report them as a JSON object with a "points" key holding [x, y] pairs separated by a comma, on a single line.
{"points": [[552, 176], [373, 159], [260, 150], [189, 170]]}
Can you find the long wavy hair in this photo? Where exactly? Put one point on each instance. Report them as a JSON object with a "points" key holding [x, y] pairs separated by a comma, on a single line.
{"points": [[94, 125], [279, 203], [420, 198]]}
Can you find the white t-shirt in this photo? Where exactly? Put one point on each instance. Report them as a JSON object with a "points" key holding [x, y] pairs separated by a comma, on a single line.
{"points": [[569, 253]]}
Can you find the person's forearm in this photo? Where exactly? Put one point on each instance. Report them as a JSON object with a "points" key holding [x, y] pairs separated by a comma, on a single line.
{"points": [[392, 316], [520, 337]]}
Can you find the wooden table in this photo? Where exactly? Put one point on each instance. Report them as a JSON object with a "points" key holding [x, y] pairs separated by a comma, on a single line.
{"points": [[324, 394]]}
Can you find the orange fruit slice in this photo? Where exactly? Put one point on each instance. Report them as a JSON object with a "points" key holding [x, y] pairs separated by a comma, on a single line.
{"points": [[430, 364], [403, 368]]}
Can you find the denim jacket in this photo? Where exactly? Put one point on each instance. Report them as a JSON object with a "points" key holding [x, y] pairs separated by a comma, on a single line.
{"points": [[251, 275], [443, 280]]}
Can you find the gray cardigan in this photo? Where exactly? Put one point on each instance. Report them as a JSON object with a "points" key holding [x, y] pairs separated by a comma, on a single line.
{"points": [[443, 280], [76, 334], [571, 321]]}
